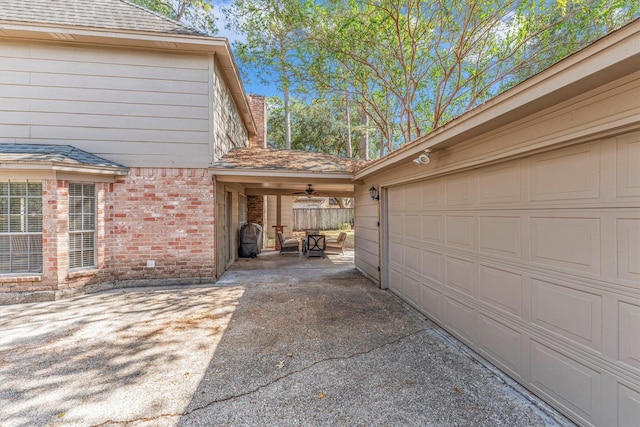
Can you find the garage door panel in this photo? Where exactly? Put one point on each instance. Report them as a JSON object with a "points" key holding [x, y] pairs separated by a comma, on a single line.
{"points": [[396, 278], [396, 226], [461, 232], [460, 190], [432, 194], [500, 184], [569, 243], [413, 259], [627, 170], [461, 318], [460, 275], [412, 195], [433, 229], [412, 227], [433, 266], [432, 302], [629, 335], [566, 311], [569, 174], [567, 380], [501, 289], [411, 290], [396, 198], [628, 406], [396, 253], [501, 236], [503, 342], [628, 231]]}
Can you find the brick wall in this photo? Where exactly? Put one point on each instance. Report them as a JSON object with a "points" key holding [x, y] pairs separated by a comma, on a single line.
{"points": [[165, 216], [258, 106], [256, 209]]}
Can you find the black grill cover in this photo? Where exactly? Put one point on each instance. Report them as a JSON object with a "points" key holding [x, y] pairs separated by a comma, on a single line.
{"points": [[250, 240]]}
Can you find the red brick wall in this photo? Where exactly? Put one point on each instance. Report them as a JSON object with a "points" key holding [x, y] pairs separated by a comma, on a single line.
{"points": [[256, 209], [258, 106], [164, 215]]}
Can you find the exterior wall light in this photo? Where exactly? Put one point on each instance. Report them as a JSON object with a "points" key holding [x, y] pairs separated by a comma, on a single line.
{"points": [[373, 192], [423, 159]]}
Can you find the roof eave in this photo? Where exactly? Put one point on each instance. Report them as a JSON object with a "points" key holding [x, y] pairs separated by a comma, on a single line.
{"points": [[252, 174], [612, 57], [63, 167]]}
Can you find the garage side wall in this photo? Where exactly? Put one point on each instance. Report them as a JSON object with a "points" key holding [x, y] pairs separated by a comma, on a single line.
{"points": [[531, 257]]}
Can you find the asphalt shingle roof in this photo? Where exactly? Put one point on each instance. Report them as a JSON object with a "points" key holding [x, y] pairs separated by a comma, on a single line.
{"points": [[287, 160], [65, 154], [105, 14]]}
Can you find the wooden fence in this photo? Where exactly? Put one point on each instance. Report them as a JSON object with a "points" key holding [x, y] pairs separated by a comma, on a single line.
{"points": [[321, 219]]}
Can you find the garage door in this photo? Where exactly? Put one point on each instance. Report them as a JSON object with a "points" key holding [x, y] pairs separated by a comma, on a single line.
{"points": [[535, 264]]}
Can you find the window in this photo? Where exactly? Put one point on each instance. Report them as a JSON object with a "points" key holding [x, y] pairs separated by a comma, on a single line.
{"points": [[82, 225], [20, 227]]}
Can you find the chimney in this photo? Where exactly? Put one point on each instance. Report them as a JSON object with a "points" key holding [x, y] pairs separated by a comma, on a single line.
{"points": [[258, 106]]}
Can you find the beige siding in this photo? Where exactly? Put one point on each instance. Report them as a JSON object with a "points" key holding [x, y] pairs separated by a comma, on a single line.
{"points": [[530, 257], [135, 107], [228, 130], [285, 218], [366, 232]]}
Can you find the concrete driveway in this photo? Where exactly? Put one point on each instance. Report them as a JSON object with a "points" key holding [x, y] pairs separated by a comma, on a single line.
{"points": [[279, 340]]}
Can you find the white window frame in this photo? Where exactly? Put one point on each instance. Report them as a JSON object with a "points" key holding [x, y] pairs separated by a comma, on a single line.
{"points": [[86, 262], [25, 226]]}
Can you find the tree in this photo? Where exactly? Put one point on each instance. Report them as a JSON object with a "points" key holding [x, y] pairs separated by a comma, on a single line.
{"points": [[272, 29], [413, 65], [197, 14], [317, 125]]}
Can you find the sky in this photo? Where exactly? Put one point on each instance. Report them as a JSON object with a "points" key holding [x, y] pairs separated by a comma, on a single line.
{"points": [[253, 84]]}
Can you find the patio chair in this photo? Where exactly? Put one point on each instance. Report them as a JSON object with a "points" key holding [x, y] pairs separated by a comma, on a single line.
{"points": [[287, 245], [315, 245], [335, 245], [309, 232]]}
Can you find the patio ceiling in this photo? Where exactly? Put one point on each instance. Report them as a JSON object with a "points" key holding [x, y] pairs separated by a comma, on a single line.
{"points": [[284, 172]]}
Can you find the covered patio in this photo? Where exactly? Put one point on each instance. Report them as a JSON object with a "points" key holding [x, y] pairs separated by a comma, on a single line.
{"points": [[269, 179]]}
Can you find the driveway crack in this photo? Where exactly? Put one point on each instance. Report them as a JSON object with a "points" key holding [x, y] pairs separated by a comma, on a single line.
{"points": [[262, 386]]}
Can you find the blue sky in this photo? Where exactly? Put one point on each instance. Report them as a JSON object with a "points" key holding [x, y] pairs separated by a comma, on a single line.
{"points": [[253, 85]]}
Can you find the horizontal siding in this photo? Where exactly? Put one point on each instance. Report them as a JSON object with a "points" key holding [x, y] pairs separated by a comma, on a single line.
{"points": [[366, 232], [137, 108]]}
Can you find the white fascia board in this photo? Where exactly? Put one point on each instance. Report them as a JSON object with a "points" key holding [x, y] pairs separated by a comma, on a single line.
{"points": [[53, 166], [607, 59], [265, 173]]}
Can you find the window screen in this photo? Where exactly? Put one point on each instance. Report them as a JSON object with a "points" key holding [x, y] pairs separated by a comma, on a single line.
{"points": [[82, 225], [20, 227]]}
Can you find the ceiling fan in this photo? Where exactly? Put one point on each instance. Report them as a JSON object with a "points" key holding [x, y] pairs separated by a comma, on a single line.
{"points": [[308, 192]]}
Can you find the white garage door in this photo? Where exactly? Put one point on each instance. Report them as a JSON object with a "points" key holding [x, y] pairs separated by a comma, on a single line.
{"points": [[535, 263]]}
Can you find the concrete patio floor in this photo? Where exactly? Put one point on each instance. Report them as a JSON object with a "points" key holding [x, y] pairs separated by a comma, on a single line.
{"points": [[279, 340]]}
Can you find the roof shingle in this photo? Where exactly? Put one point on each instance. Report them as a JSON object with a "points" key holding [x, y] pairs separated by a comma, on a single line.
{"points": [[105, 14], [42, 153], [287, 160]]}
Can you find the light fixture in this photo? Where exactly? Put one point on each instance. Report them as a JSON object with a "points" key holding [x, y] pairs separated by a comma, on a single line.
{"points": [[373, 192], [423, 159]]}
